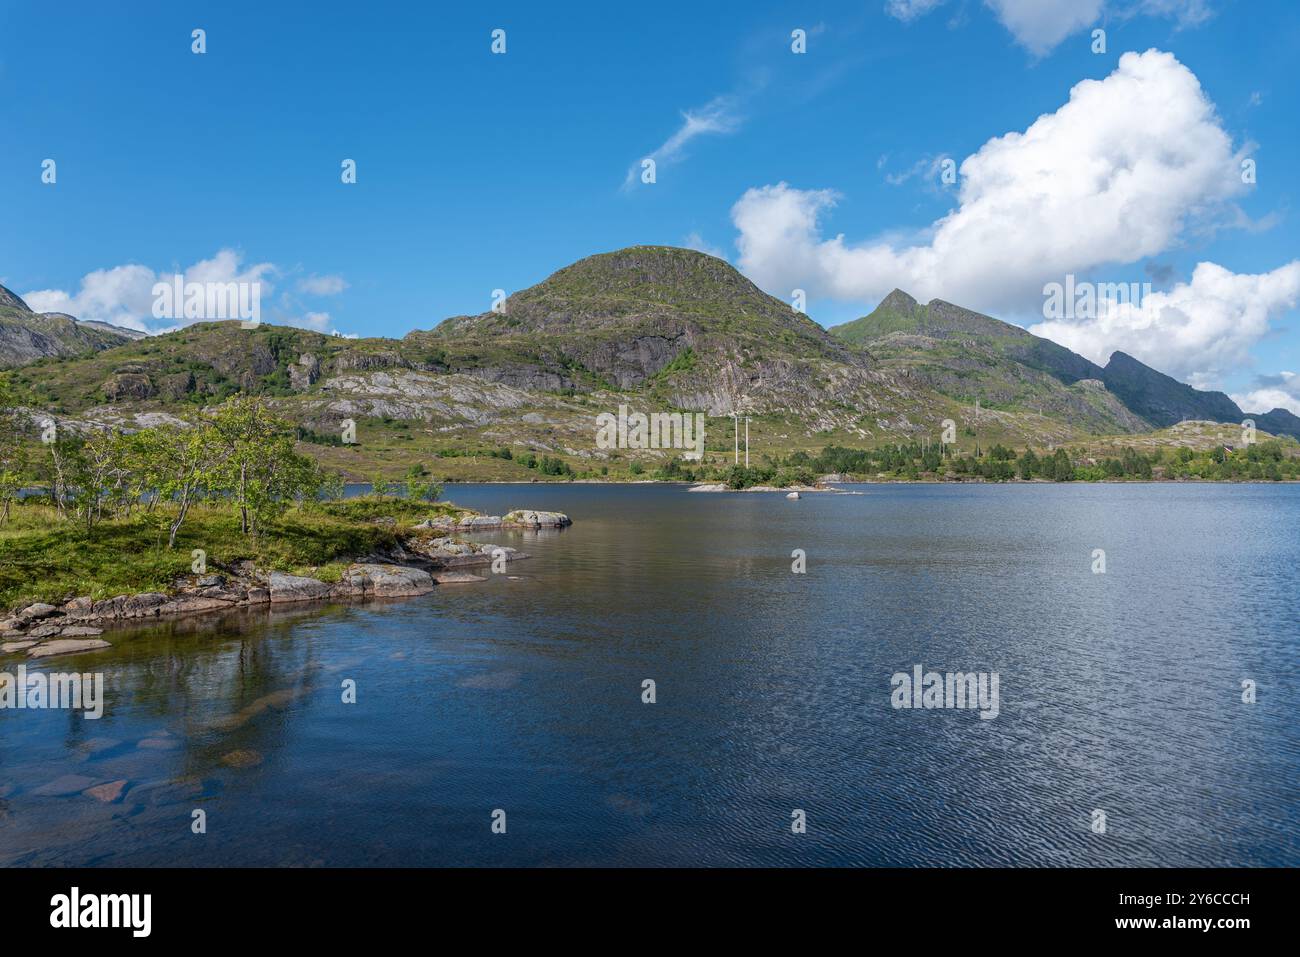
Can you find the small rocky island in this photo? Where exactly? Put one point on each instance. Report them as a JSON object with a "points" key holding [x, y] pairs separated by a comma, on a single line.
{"points": [[429, 553]]}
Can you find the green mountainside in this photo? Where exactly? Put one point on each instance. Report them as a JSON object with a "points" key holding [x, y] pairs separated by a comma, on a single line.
{"points": [[652, 328]]}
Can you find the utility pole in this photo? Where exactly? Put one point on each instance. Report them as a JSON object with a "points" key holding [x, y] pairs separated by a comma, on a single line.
{"points": [[735, 434], [746, 441]]}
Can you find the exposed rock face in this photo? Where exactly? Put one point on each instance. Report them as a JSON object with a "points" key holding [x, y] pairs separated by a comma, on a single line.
{"points": [[176, 386], [26, 336], [293, 588], [304, 373], [127, 385], [368, 361], [629, 364], [38, 610], [388, 581], [528, 518], [1161, 399], [79, 608]]}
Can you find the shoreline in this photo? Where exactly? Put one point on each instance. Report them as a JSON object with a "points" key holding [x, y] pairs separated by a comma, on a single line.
{"points": [[412, 567]]}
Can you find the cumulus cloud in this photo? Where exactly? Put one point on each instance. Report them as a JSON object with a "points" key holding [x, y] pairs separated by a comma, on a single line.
{"points": [[1280, 391], [1198, 330], [719, 115], [1116, 174], [123, 295]]}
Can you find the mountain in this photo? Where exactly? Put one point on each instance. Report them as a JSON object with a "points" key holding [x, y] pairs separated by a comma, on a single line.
{"points": [[651, 327], [900, 323], [900, 313], [1278, 422], [681, 324], [1163, 400], [26, 336], [970, 356]]}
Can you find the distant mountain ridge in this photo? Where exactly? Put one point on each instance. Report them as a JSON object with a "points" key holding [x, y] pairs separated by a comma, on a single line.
{"points": [[650, 326], [26, 336], [1155, 397]]}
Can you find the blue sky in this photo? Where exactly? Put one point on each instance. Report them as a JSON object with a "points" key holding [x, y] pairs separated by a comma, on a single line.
{"points": [[478, 171]]}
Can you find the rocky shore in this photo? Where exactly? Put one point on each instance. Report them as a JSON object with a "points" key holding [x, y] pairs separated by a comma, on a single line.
{"points": [[791, 490], [429, 556]]}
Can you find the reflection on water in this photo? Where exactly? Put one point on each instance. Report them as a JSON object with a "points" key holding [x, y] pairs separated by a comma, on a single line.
{"points": [[1118, 691]]}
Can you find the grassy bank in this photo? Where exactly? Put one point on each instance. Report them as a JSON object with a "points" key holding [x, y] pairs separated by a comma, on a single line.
{"points": [[44, 557]]}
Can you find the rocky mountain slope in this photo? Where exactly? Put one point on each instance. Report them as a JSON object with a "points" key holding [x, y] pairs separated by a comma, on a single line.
{"points": [[26, 336], [953, 339], [652, 328]]}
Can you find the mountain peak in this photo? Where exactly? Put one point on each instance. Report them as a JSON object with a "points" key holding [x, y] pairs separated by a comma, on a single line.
{"points": [[13, 300], [899, 301]]}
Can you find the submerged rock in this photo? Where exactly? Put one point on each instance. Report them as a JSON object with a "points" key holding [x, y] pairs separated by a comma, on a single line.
{"points": [[66, 646], [64, 786], [457, 578], [243, 758], [188, 605], [107, 793]]}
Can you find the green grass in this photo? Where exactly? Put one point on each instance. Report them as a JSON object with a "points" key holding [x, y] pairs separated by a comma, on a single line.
{"points": [[46, 558]]}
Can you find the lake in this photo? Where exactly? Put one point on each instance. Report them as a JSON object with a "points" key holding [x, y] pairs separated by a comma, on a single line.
{"points": [[1118, 692]]}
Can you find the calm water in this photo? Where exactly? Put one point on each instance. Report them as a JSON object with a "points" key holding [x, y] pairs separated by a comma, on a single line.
{"points": [[1119, 692]]}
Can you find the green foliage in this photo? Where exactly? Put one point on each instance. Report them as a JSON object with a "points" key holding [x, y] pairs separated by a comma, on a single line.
{"points": [[50, 559]]}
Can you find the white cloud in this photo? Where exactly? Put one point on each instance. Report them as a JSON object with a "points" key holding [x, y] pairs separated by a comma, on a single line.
{"points": [[1281, 391], [1114, 175], [927, 167], [719, 115], [123, 295], [1040, 25], [1118, 174], [699, 244], [906, 10], [1188, 13], [320, 321], [322, 285], [1197, 331]]}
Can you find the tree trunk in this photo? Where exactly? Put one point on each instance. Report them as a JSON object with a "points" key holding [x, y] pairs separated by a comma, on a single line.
{"points": [[243, 497]]}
